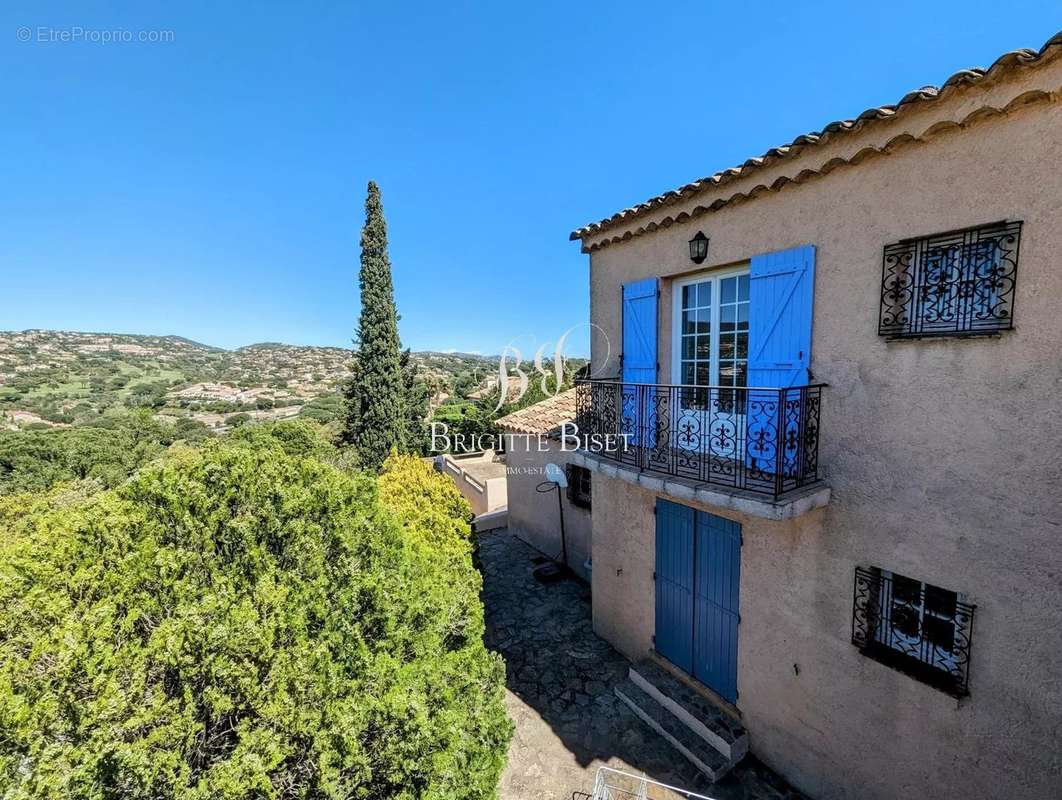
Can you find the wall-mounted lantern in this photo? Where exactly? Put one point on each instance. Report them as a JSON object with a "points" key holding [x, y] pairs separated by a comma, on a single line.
{"points": [[698, 248]]}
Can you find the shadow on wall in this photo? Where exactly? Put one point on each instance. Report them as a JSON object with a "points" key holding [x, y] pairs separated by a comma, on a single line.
{"points": [[565, 673]]}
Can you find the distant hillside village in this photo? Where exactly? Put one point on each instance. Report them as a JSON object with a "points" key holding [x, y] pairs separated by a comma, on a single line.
{"points": [[62, 378]]}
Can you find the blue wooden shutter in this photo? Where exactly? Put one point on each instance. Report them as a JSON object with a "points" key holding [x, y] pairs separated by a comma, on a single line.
{"points": [[639, 331], [781, 293], [716, 594], [639, 360], [674, 583]]}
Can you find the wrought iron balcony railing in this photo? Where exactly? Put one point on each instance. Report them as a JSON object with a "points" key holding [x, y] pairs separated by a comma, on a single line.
{"points": [[755, 439]]}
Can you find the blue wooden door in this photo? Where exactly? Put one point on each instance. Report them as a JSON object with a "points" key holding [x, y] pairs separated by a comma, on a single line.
{"points": [[717, 576], [781, 298], [639, 359], [674, 583]]}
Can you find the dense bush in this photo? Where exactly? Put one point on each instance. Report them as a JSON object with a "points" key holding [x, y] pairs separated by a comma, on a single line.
{"points": [[243, 621], [109, 450], [191, 430], [115, 445], [296, 437], [325, 409], [428, 505]]}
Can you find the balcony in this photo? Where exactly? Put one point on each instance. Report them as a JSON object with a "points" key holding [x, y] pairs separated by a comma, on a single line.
{"points": [[755, 450]]}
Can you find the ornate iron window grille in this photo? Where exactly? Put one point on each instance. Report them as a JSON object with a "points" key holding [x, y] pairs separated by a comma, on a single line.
{"points": [[578, 485], [757, 440], [914, 627], [950, 284]]}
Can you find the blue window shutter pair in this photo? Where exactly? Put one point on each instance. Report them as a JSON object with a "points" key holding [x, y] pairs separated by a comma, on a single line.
{"points": [[639, 331], [781, 294]]}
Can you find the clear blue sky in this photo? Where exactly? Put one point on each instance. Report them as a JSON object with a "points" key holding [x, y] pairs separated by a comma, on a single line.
{"points": [[212, 186]]}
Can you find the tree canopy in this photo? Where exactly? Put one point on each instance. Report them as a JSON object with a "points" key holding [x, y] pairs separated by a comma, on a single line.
{"points": [[242, 619], [109, 451]]}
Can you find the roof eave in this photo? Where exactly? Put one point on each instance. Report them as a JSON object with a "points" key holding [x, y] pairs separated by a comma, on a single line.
{"points": [[1009, 60]]}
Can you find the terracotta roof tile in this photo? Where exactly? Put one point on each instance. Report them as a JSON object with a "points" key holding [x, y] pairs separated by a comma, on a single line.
{"points": [[1007, 61], [543, 417]]}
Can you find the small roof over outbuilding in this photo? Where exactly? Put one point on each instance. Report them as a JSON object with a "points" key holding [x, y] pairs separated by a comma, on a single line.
{"points": [[543, 417]]}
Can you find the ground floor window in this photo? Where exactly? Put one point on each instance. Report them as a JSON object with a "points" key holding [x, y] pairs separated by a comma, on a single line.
{"points": [[578, 486], [916, 627]]}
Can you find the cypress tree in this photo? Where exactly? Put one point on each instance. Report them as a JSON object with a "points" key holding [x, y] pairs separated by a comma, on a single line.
{"points": [[375, 407], [415, 409]]}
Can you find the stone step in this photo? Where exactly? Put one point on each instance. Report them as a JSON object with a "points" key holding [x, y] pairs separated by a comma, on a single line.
{"points": [[706, 758], [491, 520], [696, 712]]}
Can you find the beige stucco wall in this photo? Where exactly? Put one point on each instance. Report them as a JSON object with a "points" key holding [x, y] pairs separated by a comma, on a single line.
{"points": [[945, 459], [533, 516], [480, 479]]}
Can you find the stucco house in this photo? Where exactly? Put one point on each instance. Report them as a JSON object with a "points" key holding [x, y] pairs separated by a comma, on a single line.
{"points": [[833, 529], [532, 438]]}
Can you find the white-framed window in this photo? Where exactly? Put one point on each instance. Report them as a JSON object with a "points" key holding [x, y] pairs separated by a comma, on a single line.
{"points": [[915, 627], [919, 620], [710, 329]]}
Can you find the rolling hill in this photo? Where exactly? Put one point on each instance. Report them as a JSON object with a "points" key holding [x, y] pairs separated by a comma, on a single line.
{"points": [[66, 377]]}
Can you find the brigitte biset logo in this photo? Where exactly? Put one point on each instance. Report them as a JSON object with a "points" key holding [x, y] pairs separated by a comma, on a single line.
{"points": [[513, 383]]}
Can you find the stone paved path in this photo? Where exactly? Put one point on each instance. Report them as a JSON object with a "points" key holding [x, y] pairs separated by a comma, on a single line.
{"points": [[560, 679]]}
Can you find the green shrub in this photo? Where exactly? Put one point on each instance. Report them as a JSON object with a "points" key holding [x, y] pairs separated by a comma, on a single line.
{"points": [[240, 622], [327, 408], [296, 437], [110, 450], [428, 504], [191, 430]]}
